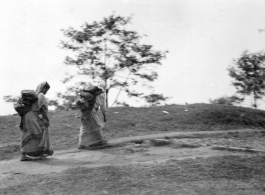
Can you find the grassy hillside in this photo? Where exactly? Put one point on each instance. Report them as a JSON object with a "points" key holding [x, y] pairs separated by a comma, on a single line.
{"points": [[130, 121]]}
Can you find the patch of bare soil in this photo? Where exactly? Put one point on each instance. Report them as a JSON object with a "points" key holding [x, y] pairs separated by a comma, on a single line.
{"points": [[175, 166]]}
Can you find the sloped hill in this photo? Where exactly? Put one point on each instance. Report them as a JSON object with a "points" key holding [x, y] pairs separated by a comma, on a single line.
{"points": [[131, 121]]}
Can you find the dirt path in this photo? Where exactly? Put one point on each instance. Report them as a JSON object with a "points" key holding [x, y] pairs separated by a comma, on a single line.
{"points": [[129, 154], [61, 162], [130, 151]]}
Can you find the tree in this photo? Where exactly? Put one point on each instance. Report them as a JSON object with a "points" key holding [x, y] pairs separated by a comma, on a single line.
{"points": [[108, 50], [155, 99], [230, 101], [248, 72], [10, 99]]}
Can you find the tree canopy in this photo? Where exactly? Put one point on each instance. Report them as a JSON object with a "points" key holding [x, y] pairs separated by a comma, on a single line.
{"points": [[248, 73], [108, 50], [224, 100]]}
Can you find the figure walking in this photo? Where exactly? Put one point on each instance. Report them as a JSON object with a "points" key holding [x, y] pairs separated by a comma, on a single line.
{"points": [[91, 100], [35, 139]]}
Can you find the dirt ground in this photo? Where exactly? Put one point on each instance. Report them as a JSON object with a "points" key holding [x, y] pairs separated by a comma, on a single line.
{"points": [[187, 166]]}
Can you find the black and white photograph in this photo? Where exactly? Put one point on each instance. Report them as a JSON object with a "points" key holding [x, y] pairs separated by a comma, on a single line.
{"points": [[132, 97]]}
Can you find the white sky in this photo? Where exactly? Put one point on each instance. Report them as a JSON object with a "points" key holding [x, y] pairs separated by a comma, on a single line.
{"points": [[202, 37]]}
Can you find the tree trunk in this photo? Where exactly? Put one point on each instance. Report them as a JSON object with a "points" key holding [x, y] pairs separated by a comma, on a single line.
{"points": [[255, 101], [107, 99]]}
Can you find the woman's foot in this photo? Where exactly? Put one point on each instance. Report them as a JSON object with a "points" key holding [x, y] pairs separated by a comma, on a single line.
{"points": [[81, 147], [24, 158], [100, 143], [104, 141], [99, 146]]}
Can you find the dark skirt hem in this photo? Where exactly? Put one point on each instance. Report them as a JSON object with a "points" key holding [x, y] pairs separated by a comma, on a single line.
{"points": [[38, 153]]}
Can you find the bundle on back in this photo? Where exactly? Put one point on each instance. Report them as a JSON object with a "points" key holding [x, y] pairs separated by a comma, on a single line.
{"points": [[89, 94], [24, 103]]}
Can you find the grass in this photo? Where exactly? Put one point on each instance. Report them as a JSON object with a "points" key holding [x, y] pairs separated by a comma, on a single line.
{"points": [[132, 121], [230, 174], [215, 175]]}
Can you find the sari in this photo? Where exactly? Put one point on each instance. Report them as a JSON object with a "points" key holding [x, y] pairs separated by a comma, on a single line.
{"points": [[91, 125], [35, 139]]}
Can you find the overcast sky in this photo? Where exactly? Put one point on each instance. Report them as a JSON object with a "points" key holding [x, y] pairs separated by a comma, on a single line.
{"points": [[202, 37]]}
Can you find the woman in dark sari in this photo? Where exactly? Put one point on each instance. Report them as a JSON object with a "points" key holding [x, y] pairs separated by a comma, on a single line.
{"points": [[35, 141]]}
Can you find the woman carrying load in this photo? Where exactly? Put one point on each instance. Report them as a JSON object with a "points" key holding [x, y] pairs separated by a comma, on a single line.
{"points": [[35, 140], [90, 102]]}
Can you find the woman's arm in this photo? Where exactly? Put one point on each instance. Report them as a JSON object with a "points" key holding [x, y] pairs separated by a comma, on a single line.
{"points": [[44, 113], [42, 102]]}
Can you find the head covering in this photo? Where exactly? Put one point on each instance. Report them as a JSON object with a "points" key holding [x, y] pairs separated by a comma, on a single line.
{"points": [[41, 86]]}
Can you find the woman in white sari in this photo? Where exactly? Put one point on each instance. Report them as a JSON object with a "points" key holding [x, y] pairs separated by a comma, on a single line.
{"points": [[91, 136], [35, 141]]}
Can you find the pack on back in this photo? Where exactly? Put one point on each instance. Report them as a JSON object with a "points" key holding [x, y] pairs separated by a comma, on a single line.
{"points": [[24, 104], [29, 96], [90, 94]]}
